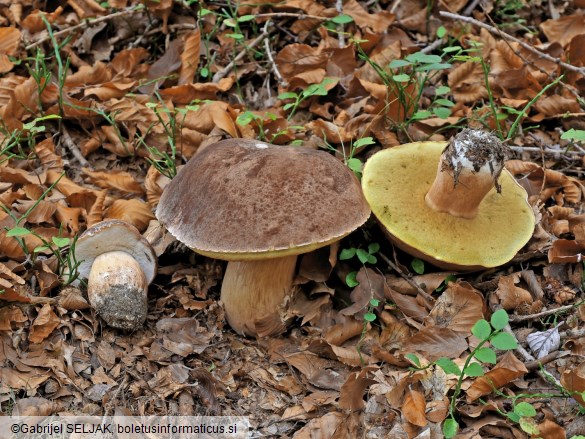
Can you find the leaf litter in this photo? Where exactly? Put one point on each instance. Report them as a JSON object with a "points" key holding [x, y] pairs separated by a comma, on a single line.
{"points": [[84, 140]]}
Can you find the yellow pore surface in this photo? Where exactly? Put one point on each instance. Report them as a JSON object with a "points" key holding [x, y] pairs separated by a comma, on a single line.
{"points": [[395, 182]]}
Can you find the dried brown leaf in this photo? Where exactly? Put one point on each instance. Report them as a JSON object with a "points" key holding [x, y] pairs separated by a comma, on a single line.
{"points": [[295, 59], [189, 57], [119, 180], [434, 343], [414, 407], [44, 324], [458, 308], [564, 251], [378, 22], [563, 29], [10, 315], [467, 82], [506, 370], [134, 211], [511, 296], [573, 379]]}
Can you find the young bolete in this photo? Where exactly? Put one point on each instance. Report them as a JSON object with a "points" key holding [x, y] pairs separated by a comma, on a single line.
{"points": [[118, 264], [452, 204], [258, 206]]}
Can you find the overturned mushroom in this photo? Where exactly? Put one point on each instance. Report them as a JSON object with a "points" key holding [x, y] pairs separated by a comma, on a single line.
{"points": [[118, 264], [452, 204], [259, 206]]}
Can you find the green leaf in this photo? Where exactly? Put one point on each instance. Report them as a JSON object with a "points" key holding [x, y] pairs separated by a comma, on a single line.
{"points": [[204, 72], [245, 118], [513, 417], [60, 242], [413, 358], [574, 134], [423, 58], [235, 36], [451, 49], [229, 22], [363, 142], [524, 409], [421, 114], [504, 341], [18, 231], [288, 106], [403, 77], [369, 317], [374, 247], [346, 253], [41, 248], [448, 366], [442, 90], [398, 63], [442, 112], [374, 302], [450, 428], [443, 102], [418, 266], [245, 18], [474, 370], [437, 66], [485, 355], [342, 19], [529, 426], [481, 329], [355, 165], [362, 255], [499, 319], [441, 31], [351, 280]]}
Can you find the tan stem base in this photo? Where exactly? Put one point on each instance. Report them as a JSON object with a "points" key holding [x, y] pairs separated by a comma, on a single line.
{"points": [[117, 290], [255, 293], [461, 198]]}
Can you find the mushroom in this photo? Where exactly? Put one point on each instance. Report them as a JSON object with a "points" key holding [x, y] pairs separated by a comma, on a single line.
{"points": [[118, 264], [452, 204], [258, 206]]}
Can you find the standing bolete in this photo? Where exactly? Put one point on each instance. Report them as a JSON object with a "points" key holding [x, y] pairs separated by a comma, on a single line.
{"points": [[452, 204], [258, 206], [118, 264]]}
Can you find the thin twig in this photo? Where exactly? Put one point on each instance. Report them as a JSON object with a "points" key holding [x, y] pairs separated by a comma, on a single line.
{"points": [[548, 312], [509, 37], [86, 24], [72, 147], [293, 15], [412, 283], [546, 150], [339, 8], [271, 59], [573, 333], [222, 73]]}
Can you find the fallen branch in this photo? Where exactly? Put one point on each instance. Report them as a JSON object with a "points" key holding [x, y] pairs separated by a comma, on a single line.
{"points": [[508, 37], [548, 312], [72, 147]]}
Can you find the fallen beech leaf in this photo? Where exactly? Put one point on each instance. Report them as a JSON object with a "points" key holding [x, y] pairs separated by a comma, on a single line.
{"points": [[414, 408], [351, 395], [458, 308], [34, 406], [511, 296], [119, 180], [44, 324], [324, 427], [9, 42], [543, 343], [565, 251], [563, 29], [378, 22], [10, 314], [506, 370], [467, 82], [295, 59], [573, 379], [433, 343], [134, 211], [189, 57]]}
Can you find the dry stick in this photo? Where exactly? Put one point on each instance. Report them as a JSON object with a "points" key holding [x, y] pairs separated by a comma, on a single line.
{"points": [[546, 150], [404, 276], [548, 312], [277, 73], [573, 333], [72, 147], [222, 73], [506, 36], [86, 24], [339, 8], [293, 15]]}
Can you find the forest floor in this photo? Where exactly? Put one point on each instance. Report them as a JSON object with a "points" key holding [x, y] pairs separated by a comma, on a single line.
{"points": [[101, 102]]}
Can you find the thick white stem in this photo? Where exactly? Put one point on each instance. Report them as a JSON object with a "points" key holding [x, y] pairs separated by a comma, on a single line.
{"points": [[117, 290], [255, 295]]}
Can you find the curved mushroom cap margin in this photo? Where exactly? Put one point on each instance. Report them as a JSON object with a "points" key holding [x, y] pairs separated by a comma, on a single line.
{"points": [[249, 200]]}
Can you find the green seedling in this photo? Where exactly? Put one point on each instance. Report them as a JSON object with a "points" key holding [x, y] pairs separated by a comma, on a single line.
{"points": [[299, 97], [364, 256], [488, 333], [61, 247]]}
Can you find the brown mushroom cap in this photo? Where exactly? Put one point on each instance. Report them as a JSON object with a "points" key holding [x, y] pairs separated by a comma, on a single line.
{"points": [[395, 182], [114, 235], [248, 200]]}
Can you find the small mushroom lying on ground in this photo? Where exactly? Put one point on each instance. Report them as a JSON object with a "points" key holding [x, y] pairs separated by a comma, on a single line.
{"points": [[258, 206], [118, 264], [452, 204]]}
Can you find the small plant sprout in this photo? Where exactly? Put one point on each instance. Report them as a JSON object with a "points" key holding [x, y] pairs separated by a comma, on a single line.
{"points": [[299, 97], [364, 256], [488, 333]]}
